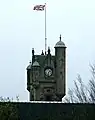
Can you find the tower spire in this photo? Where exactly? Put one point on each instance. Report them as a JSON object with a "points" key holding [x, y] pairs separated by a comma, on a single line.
{"points": [[60, 37]]}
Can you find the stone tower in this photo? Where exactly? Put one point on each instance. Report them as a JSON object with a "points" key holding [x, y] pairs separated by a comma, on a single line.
{"points": [[46, 75]]}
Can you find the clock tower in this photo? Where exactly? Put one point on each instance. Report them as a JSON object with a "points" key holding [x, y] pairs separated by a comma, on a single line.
{"points": [[46, 75]]}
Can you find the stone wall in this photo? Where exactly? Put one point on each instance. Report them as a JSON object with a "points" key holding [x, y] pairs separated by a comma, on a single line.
{"points": [[51, 111]]}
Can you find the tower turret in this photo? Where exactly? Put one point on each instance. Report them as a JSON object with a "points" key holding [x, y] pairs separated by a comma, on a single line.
{"points": [[35, 81], [28, 75], [60, 60]]}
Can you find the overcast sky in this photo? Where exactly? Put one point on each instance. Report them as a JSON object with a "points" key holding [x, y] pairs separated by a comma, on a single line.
{"points": [[22, 29]]}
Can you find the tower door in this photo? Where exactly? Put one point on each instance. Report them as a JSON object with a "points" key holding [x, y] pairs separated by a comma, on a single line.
{"points": [[48, 98]]}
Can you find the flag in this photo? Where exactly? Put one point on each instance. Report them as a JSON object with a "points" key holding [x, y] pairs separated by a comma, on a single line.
{"points": [[39, 7]]}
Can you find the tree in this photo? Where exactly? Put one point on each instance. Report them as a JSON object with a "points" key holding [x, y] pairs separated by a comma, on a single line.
{"points": [[82, 93], [8, 109]]}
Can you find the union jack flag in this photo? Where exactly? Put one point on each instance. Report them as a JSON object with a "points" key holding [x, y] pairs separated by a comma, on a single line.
{"points": [[39, 7]]}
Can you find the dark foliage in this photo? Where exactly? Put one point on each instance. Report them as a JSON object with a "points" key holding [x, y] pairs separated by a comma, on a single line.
{"points": [[8, 109]]}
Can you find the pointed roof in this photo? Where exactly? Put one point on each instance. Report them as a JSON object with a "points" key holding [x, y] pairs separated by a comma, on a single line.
{"points": [[29, 66], [36, 64], [60, 43]]}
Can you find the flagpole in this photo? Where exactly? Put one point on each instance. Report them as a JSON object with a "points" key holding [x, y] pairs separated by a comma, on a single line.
{"points": [[45, 32]]}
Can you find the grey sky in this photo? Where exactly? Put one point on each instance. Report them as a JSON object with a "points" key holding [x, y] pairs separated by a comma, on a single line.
{"points": [[22, 29]]}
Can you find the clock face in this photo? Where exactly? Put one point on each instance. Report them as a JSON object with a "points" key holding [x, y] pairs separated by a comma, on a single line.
{"points": [[48, 72]]}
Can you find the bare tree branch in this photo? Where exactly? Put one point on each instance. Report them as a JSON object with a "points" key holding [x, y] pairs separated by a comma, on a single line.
{"points": [[82, 93]]}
